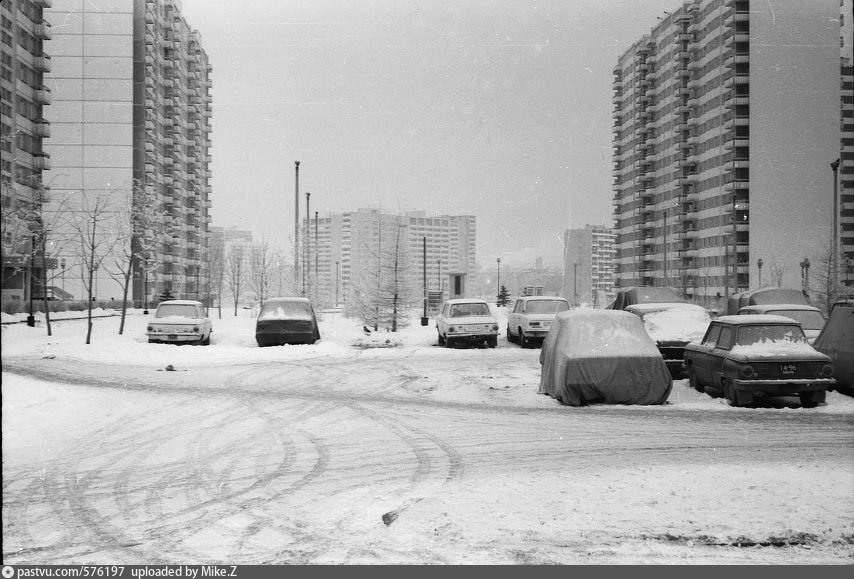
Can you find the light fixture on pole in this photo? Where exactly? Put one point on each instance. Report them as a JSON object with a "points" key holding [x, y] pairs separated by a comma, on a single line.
{"points": [[498, 283], [759, 264]]}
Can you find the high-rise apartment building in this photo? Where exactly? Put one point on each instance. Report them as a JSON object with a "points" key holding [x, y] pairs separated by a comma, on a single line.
{"points": [[589, 264], [726, 117], [131, 119], [846, 156], [342, 252], [23, 128]]}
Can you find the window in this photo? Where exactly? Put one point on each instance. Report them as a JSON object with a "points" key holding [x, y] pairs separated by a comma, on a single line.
{"points": [[712, 336], [725, 339]]}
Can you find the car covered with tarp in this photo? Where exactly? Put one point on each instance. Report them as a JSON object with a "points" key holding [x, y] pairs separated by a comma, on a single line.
{"points": [[837, 341], [764, 296], [602, 357], [629, 296], [286, 320]]}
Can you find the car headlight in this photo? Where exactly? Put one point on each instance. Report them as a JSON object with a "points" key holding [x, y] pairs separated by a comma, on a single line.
{"points": [[196, 328], [827, 371], [150, 328], [495, 327], [747, 371], [451, 329]]}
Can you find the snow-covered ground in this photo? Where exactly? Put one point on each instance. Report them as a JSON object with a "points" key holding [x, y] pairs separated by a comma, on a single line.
{"points": [[550, 497]]}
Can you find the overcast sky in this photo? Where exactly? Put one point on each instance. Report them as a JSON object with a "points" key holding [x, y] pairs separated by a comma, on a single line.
{"points": [[499, 109]]}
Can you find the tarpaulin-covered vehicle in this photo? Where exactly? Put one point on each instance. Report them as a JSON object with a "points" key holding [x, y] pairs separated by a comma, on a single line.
{"points": [[286, 321], [602, 356]]}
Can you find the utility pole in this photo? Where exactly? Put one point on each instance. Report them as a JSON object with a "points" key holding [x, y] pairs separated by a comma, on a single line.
{"points": [[305, 281], [316, 259], [665, 248], [424, 320], [498, 281], [31, 319], [296, 229]]}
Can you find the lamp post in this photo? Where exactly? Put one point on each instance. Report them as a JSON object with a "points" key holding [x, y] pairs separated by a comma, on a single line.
{"points": [[306, 281], [337, 301], [575, 284], [198, 271], [498, 283], [834, 234], [759, 264], [31, 319], [805, 275], [296, 226]]}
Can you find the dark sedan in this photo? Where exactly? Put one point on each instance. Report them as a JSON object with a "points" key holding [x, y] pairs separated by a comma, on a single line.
{"points": [[286, 321], [750, 357]]}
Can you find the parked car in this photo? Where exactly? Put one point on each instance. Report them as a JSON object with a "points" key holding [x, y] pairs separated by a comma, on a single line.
{"points": [[530, 318], [750, 357], [629, 296], [180, 321], [286, 320], [764, 296], [837, 341], [673, 326], [466, 320], [602, 356], [810, 318]]}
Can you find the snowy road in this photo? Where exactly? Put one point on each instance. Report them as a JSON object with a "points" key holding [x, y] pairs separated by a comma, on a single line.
{"points": [[415, 454]]}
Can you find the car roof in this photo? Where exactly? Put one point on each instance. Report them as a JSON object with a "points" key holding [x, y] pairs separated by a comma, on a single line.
{"points": [[466, 301], [765, 307], [754, 319], [656, 307], [534, 298], [287, 299], [181, 303]]}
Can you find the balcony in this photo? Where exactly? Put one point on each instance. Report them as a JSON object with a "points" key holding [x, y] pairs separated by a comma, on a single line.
{"points": [[41, 128], [43, 3], [42, 63], [41, 161], [42, 31], [42, 96]]}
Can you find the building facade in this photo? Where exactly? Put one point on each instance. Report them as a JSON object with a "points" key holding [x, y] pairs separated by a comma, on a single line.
{"points": [[589, 264], [846, 149], [131, 118], [726, 116], [23, 130], [342, 252]]}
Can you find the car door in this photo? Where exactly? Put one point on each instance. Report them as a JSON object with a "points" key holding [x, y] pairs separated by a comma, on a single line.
{"points": [[701, 356], [442, 320], [719, 354], [513, 318]]}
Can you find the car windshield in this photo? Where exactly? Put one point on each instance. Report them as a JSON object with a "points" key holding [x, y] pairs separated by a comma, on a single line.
{"points": [[465, 310], [546, 306], [176, 310], [285, 310], [809, 319], [749, 335]]}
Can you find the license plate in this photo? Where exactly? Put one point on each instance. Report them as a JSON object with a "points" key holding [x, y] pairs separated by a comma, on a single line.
{"points": [[788, 369], [172, 337]]}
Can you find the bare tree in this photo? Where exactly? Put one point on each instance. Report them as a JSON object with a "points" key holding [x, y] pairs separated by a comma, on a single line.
{"points": [[235, 272], [382, 294], [829, 283], [215, 268], [134, 232], [93, 225], [261, 268]]}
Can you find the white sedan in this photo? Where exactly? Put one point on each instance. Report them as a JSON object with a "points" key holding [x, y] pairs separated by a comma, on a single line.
{"points": [[180, 321], [466, 320]]}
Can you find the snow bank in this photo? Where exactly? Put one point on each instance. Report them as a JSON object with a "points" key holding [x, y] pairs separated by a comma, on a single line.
{"points": [[688, 324]]}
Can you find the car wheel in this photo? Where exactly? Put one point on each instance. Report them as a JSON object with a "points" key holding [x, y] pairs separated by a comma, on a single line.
{"points": [[524, 341], [207, 340], [449, 343], [692, 380], [812, 399], [441, 339], [510, 337], [492, 341]]}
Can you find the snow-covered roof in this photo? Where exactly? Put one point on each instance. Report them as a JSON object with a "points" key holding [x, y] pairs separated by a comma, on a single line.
{"points": [[762, 308], [180, 303], [466, 301], [657, 307], [534, 298], [287, 299], [772, 348], [679, 322], [756, 319]]}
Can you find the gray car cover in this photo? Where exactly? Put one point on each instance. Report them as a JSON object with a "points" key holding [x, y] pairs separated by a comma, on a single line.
{"points": [[602, 356]]}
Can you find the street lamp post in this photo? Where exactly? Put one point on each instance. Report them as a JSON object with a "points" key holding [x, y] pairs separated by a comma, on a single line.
{"points": [[198, 271], [498, 283], [31, 319], [759, 264], [575, 284], [337, 279], [834, 234]]}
